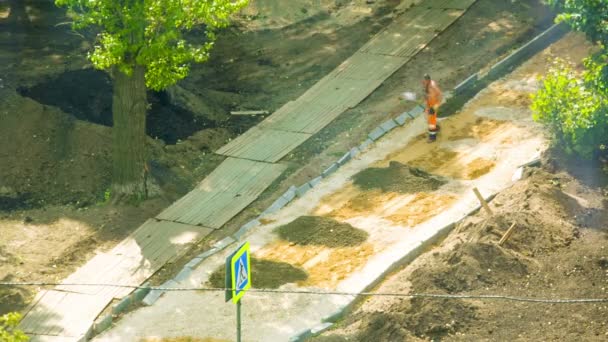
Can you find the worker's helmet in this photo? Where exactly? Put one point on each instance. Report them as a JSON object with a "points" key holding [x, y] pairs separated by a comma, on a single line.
{"points": [[427, 77]]}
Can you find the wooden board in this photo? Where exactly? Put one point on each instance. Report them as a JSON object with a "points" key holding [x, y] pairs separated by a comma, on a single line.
{"points": [[224, 193], [69, 311], [263, 144], [306, 117], [411, 32]]}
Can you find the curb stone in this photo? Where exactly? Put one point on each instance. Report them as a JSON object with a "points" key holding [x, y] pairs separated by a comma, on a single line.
{"points": [[376, 133], [140, 293], [301, 336], [344, 159], [319, 328], [389, 125], [208, 253], [466, 84], [416, 111], [303, 189], [194, 262], [154, 295], [331, 169], [246, 227], [365, 144], [315, 181], [332, 318], [402, 119], [290, 194], [183, 274], [102, 324], [121, 306], [223, 243]]}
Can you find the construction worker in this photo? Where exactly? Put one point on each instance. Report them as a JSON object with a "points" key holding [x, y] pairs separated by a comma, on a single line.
{"points": [[433, 98]]}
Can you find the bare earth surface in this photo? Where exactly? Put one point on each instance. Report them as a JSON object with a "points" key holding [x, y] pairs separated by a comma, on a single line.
{"points": [[55, 139]]}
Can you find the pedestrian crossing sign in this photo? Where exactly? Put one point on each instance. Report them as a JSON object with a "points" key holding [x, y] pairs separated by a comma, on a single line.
{"points": [[240, 271]]}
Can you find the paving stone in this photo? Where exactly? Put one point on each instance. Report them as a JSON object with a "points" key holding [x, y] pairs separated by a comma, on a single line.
{"points": [[367, 143], [344, 159], [402, 119], [315, 181], [388, 126], [416, 112], [331, 169], [303, 189], [376, 133]]}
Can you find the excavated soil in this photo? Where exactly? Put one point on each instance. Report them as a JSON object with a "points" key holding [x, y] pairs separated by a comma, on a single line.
{"points": [[397, 178], [558, 250], [321, 231], [265, 274]]}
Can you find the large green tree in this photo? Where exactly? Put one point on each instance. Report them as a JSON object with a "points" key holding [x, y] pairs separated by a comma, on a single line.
{"points": [[144, 44]]}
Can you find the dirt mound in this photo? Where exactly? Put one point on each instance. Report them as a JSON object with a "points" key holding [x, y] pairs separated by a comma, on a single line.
{"points": [[469, 267], [422, 318], [265, 274], [398, 178], [321, 231]]}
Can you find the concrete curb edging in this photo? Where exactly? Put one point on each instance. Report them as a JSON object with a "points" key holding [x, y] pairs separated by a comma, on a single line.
{"points": [[507, 64]]}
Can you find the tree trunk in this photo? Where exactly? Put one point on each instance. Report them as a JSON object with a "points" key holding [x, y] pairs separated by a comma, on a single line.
{"points": [[129, 104]]}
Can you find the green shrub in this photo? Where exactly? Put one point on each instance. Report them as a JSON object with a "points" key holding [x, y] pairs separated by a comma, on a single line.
{"points": [[574, 106], [8, 331]]}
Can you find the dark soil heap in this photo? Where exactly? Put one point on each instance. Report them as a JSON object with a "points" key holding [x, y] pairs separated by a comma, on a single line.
{"points": [[321, 231], [265, 274], [397, 177]]}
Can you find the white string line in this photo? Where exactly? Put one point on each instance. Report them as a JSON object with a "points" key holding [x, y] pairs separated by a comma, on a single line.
{"points": [[332, 293]]}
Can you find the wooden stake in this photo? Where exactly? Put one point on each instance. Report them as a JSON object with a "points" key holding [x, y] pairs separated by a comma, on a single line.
{"points": [[507, 235], [483, 202]]}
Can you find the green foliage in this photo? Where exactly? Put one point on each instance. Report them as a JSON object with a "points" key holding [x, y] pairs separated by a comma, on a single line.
{"points": [[8, 331], [106, 195], [574, 108], [151, 33], [588, 16]]}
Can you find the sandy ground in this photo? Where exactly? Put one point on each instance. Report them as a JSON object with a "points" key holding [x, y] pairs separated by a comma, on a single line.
{"points": [[485, 142]]}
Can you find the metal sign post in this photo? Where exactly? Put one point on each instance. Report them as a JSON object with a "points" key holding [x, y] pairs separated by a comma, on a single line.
{"points": [[238, 280]]}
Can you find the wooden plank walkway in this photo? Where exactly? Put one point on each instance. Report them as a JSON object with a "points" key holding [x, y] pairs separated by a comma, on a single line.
{"points": [[224, 193], [348, 84], [66, 313]]}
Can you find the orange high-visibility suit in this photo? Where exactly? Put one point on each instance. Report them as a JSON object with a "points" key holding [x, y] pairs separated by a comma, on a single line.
{"points": [[433, 98]]}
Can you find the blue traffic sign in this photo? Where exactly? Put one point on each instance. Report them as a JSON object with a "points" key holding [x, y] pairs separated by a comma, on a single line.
{"points": [[240, 271]]}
